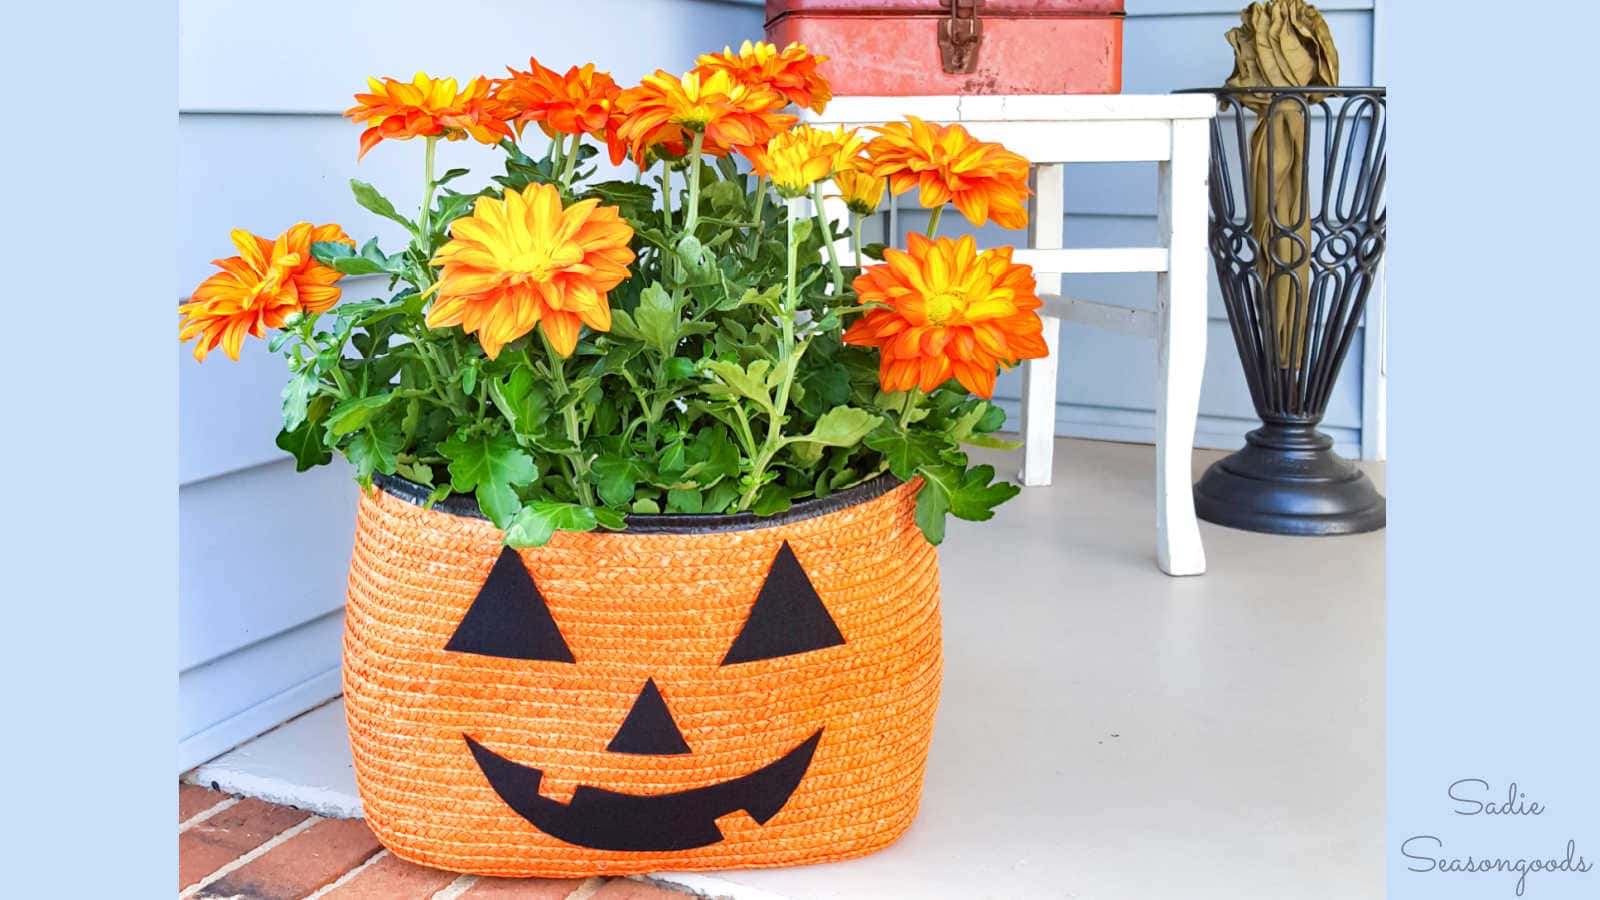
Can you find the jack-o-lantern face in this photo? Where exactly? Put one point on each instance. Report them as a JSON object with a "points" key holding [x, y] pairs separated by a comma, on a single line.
{"points": [[755, 693], [510, 619]]}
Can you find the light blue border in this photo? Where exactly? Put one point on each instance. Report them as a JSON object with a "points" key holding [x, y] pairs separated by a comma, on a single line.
{"points": [[1494, 617], [90, 449]]}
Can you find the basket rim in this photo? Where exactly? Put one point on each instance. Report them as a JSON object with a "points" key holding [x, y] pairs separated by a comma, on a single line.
{"points": [[465, 506]]}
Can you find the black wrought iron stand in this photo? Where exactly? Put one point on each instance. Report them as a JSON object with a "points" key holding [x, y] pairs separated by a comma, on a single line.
{"points": [[1295, 286]]}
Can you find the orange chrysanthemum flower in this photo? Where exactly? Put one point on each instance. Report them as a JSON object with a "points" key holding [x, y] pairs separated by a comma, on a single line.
{"points": [[668, 110], [616, 144], [429, 107], [950, 311], [802, 156], [260, 288], [579, 102], [792, 71], [860, 190], [524, 261], [945, 163]]}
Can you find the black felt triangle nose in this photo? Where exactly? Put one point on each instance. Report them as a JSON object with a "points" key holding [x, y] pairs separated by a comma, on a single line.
{"points": [[649, 730]]}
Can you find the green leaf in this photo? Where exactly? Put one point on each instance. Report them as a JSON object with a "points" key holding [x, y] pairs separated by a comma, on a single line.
{"points": [[769, 299], [715, 457], [672, 460], [537, 522], [905, 451], [993, 418], [622, 326], [657, 319], [807, 453], [683, 501], [932, 505], [305, 444], [355, 413], [297, 397], [521, 400], [961, 428], [491, 466], [373, 450], [725, 197], [992, 442], [964, 493], [678, 368], [450, 175], [773, 499], [368, 261], [731, 376], [412, 420], [698, 263], [617, 479], [842, 426], [627, 196], [369, 198], [873, 251], [451, 206], [421, 473]]}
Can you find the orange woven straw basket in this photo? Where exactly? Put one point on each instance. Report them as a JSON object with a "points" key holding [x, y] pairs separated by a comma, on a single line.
{"points": [[703, 692]]}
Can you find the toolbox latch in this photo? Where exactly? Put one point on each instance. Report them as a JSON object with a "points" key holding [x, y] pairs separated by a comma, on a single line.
{"points": [[959, 36]]}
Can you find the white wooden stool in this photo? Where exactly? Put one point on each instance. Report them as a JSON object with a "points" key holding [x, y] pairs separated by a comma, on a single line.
{"points": [[1052, 131]]}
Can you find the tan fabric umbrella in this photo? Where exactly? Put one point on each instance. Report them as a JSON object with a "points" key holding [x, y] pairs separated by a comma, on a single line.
{"points": [[1282, 43]]}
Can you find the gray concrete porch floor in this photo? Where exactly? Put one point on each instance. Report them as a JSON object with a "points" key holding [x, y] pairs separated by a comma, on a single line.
{"points": [[1105, 731]]}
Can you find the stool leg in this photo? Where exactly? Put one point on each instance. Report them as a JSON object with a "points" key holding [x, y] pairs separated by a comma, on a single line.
{"points": [[1046, 231], [1181, 346], [1039, 408]]}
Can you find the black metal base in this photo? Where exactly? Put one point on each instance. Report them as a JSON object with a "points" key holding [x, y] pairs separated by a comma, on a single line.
{"points": [[1288, 480]]}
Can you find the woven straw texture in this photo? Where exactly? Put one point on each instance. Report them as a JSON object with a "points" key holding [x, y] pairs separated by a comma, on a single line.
{"points": [[633, 607]]}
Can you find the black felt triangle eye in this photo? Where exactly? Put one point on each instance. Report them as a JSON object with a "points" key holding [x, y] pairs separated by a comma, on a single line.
{"points": [[509, 617], [788, 617]]}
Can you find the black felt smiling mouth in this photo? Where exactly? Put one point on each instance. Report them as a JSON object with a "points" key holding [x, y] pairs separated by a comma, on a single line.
{"points": [[608, 820]]}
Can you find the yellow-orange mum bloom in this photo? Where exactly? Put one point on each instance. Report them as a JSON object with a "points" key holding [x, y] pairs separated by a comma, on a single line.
{"points": [[578, 102], [428, 107], [798, 158], [951, 311], [667, 110], [861, 191], [946, 164], [524, 261], [792, 71], [260, 288]]}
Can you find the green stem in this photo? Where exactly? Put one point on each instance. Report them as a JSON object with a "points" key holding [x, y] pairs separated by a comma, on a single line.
{"points": [[693, 217], [827, 239], [569, 414], [908, 406], [933, 221], [761, 207], [790, 300], [855, 239], [435, 368], [774, 439], [666, 194], [423, 222], [572, 162]]}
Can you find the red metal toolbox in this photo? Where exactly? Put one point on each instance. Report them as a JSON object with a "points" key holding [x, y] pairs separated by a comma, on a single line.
{"points": [[919, 47]]}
